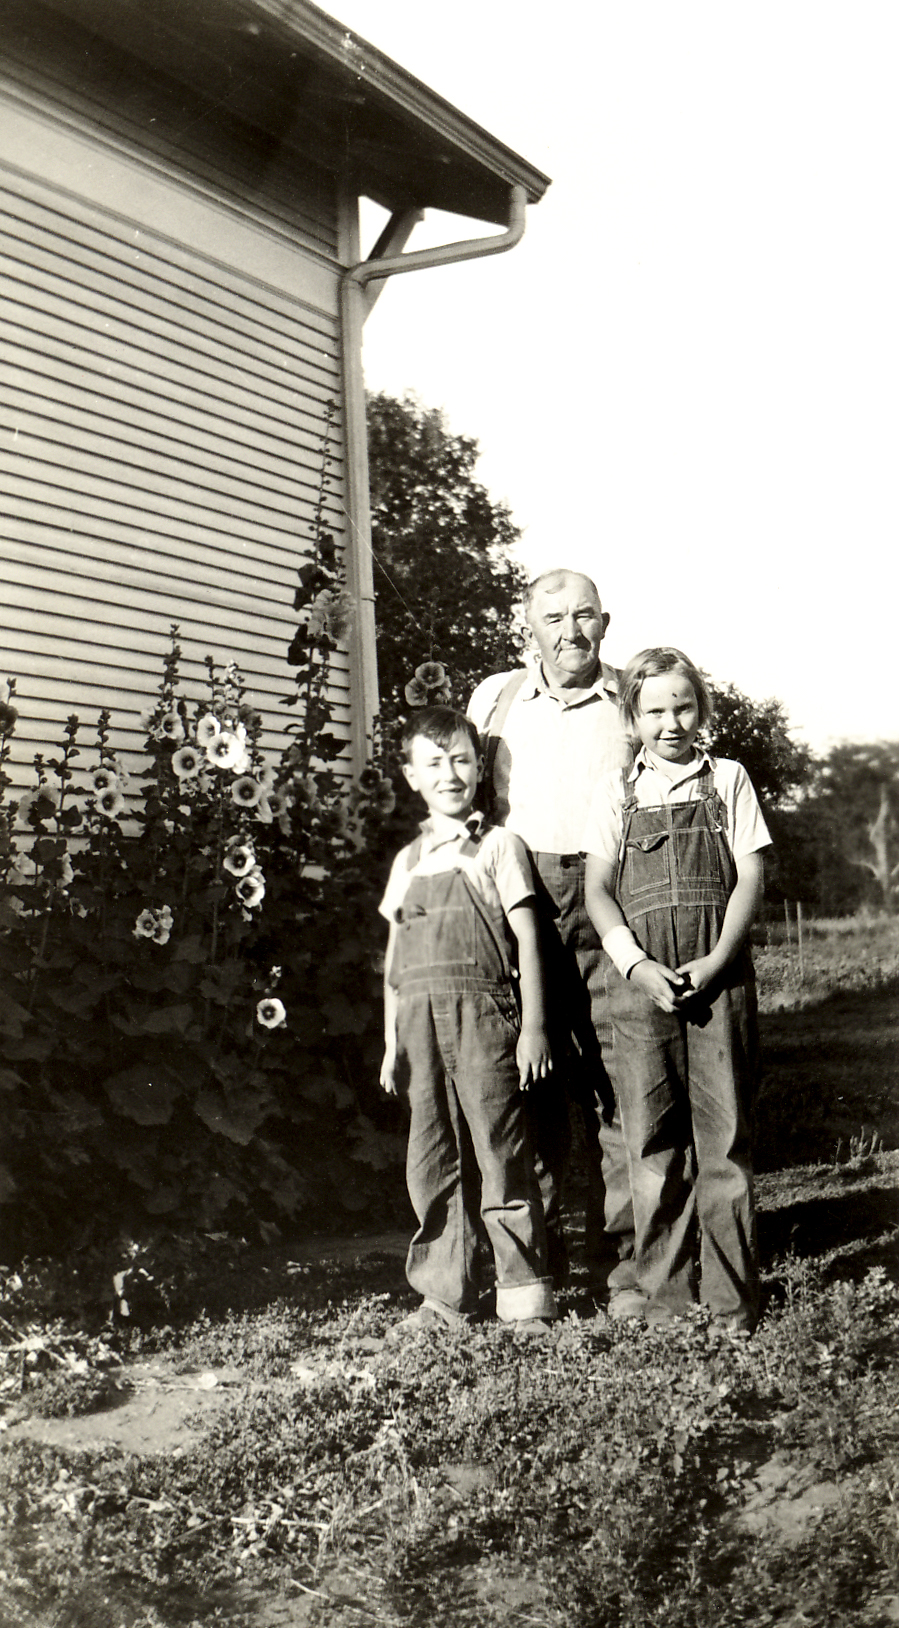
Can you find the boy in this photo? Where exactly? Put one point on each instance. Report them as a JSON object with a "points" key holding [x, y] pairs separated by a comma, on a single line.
{"points": [[454, 1041]]}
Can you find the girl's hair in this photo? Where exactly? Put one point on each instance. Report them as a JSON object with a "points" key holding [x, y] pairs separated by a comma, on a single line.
{"points": [[652, 664], [438, 724]]}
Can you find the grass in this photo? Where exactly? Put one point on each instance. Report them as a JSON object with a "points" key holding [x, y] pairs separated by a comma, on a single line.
{"points": [[612, 1477]]}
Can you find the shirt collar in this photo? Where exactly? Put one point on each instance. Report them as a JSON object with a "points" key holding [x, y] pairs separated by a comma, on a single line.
{"points": [[686, 771], [451, 830], [605, 685]]}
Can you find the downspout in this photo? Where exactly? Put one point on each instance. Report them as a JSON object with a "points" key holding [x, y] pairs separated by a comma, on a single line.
{"points": [[354, 310]]}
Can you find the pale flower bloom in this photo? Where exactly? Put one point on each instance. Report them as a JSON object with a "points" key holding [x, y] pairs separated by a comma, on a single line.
{"points": [[186, 762], [263, 811], [207, 728], [265, 774], [251, 889], [111, 803], [239, 860], [246, 791], [145, 926], [103, 779], [162, 930], [271, 1012], [224, 750], [170, 727]]}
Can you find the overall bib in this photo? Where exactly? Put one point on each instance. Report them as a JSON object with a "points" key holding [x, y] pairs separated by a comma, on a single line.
{"points": [[457, 1031], [686, 1078]]}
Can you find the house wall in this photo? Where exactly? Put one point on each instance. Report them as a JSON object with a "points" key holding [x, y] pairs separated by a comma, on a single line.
{"points": [[171, 353]]}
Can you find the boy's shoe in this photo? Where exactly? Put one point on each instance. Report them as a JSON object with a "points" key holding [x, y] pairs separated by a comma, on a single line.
{"points": [[732, 1325], [627, 1305], [426, 1319], [531, 1328]]}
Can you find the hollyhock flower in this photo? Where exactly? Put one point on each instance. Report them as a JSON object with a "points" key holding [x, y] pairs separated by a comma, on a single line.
{"points": [[170, 727], [265, 774], [385, 800], [251, 889], [186, 762], [162, 929], [207, 728], [38, 804], [263, 811], [431, 674], [224, 750], [145, 926], [270, 1012], [110, 803], [239, 860], [369, 778], [8, 717], [415, 693], [246, 791]]}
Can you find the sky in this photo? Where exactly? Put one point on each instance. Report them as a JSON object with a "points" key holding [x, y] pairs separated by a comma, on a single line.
{"points": [[685, 380]]}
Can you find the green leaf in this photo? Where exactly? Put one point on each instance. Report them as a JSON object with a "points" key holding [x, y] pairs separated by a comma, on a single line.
{"points": [[13, 1017], [145, 1098], [238, 1121]]}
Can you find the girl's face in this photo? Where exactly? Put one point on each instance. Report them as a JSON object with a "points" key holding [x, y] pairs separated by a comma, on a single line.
{"points": [[668, 717]]}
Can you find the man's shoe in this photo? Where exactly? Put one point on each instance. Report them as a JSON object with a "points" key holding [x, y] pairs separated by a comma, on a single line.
{"points": [[531, 1328]]}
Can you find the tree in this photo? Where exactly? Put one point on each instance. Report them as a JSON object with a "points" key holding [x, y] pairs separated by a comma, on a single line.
{"points": [[757, 734], [446, 588], [859, 794]]}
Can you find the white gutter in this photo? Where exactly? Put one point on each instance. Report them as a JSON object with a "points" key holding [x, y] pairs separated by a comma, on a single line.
{"points": [[447, 254]]}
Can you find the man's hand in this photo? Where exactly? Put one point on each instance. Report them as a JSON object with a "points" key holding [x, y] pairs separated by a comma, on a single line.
{"points": [[388, 1074], [532, 1056], [664, 987]]}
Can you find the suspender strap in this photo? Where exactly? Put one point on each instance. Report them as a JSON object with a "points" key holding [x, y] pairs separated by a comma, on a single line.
{"points": [[494, 730]]}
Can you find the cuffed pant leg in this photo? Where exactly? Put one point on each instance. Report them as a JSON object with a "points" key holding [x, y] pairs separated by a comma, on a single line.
{"points": [[722, 1061], [441, 1176]]}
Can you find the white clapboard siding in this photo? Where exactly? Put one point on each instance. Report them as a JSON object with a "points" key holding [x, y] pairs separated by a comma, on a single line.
{"points": [[162, 454]]}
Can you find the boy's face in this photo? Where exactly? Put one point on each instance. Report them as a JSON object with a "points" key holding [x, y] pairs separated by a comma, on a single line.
{"points": [[445, 776]]}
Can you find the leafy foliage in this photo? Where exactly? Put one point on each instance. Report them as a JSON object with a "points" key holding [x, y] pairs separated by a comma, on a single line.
{"points": [[190, 1016], [756, 733], [446, 588]]}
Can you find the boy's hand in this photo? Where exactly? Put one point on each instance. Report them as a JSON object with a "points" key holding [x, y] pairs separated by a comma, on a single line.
{"points": [[664, 987], [532, 1055], [388, 1074]]}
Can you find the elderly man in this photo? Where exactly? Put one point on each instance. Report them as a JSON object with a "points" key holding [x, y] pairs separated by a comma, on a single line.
{"points": [[549, 730]]}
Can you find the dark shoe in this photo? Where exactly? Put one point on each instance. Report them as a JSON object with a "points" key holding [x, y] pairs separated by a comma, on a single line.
{"points": [[627, 1305], [427, 1318]]}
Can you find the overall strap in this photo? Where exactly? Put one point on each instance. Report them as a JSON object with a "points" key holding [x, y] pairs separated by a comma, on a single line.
{"points": [[494, 729], [710, 795]]}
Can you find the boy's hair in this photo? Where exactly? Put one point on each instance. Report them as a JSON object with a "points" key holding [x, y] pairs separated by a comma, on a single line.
{"points": [[438, 724], [652, 664]]}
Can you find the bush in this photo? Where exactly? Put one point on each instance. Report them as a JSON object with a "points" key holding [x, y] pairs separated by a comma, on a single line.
{"points": [[190, 1011]]}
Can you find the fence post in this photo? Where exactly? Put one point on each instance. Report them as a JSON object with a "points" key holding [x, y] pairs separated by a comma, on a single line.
{"points": [[799, 938]]}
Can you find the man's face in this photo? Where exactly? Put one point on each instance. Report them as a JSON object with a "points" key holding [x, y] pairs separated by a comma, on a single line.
{"points": [[568, 623]]}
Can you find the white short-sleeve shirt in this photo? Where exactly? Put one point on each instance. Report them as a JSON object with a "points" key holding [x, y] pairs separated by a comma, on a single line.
{"points": [[746, 830], [499, 869], [550, 755]]}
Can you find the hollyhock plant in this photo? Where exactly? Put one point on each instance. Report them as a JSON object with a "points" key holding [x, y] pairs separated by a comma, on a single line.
{"points": [[145, 926]]}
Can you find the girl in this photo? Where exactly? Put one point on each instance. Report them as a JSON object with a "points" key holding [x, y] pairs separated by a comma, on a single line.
{"points": [[673, 880]]}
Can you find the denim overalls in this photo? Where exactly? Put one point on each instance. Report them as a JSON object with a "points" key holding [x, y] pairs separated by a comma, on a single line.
{"points": [[685, 1079], [457, 1031]]}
